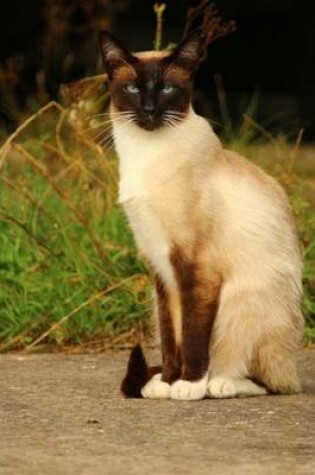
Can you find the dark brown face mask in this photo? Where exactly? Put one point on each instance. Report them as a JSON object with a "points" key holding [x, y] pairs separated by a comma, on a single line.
{"points": [[153, 90]]}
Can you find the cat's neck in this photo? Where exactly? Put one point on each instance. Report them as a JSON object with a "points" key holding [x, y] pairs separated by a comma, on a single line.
{"points": [[192, 139], [192, 131]]}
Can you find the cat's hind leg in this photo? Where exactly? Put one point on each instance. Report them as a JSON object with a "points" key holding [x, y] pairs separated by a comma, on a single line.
{"points": [[236, 334], [275, 362], [222, 387], [254, 341]]}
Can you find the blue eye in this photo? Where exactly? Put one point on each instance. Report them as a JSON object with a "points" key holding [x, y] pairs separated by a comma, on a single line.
{"points": [[132, 88], [167, 89]]}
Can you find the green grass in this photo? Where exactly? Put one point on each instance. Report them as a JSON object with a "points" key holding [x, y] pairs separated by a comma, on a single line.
{"points": [[69, 270], [66, 250]]}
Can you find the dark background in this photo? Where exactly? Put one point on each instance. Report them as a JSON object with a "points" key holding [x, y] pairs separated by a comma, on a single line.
{"points": [[269, 61]]}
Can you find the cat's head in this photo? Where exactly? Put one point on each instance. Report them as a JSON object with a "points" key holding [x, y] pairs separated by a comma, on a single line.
{"points": [[153, 88]]}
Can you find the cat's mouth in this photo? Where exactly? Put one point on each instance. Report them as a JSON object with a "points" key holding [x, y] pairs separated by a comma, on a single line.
{"points": [[156, 121], [150, 123]]}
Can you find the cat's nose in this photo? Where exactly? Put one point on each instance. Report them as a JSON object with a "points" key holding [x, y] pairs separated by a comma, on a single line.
{"points": [[149, 108]]}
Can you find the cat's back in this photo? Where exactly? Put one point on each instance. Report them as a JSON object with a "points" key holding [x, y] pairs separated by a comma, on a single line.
{"points": [[244, 186], [253, 218], [239, 170]]}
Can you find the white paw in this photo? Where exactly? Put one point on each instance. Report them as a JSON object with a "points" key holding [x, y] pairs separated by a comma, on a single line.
{"points": [[189, 390], [156, 388], [221, 388]]}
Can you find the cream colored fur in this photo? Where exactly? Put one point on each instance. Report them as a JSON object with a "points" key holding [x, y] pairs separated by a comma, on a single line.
{"points": [[179, 186], [222, 388]]}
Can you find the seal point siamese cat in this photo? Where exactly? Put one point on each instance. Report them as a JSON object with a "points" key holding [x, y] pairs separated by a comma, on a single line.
{"points": [[216, 231]]}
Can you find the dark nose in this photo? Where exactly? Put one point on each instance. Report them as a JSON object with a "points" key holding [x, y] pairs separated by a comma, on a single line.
{"points": [[149, 108]]}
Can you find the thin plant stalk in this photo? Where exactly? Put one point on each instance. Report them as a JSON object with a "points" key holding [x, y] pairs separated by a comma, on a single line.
{"points": [[159, 9]]}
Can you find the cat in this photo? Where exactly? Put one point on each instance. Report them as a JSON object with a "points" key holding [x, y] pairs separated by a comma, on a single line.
{"points": [[216, 231]]}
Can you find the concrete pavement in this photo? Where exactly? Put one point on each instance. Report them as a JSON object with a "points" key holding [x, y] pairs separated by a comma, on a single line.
{"points": [[63, 415]]}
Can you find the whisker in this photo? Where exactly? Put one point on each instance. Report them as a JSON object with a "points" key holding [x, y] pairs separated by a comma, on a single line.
{"points": [[107, 130], [170, 117], [110, 114], [104, 123], [106, 143], [170, 111], [107, 139], [183, 137], [106, 127], [101, 135]]}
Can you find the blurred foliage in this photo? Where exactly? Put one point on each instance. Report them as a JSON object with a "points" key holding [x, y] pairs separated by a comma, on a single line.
{"points": [[66, 49], [65, 248], [69, 270]]}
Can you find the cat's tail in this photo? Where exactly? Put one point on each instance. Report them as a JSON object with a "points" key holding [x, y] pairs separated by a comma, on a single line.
{"points": [[138, 374]]}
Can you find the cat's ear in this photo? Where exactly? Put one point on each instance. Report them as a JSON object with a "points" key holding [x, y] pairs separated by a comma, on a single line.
{"points": [[188, 50], [114, 54]]}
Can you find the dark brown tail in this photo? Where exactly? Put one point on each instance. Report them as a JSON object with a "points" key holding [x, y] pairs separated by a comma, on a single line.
{"points": [[138, 374]]}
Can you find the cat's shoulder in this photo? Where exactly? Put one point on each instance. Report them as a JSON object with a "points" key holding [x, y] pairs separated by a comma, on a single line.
{"points": [[243, 167], [245, 177]]}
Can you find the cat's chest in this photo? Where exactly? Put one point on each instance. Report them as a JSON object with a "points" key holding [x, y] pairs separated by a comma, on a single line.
{"points": [[152, 172], [152, 237], [139, 162]]}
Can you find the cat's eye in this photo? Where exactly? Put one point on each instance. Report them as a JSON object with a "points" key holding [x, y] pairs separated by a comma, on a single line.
{"points": [[132, 88], [167, 89]]}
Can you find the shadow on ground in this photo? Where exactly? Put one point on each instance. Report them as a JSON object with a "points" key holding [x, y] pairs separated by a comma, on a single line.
{"points": [[63, 415]]}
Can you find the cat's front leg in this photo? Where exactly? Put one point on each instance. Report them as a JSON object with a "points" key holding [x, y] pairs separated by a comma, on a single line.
{"points": [[193, 382], [167, 308], [199, 294]]}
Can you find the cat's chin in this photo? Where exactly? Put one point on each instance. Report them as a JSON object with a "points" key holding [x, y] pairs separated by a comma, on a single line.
{"points": [[149, 127]]}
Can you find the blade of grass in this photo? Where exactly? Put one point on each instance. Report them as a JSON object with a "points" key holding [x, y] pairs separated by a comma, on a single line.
{"points": [[5, 147], [84, 304], [80, 216], [41, 246]]}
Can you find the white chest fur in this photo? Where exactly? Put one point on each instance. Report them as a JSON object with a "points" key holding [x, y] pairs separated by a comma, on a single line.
{"points": [[151, 238], [143, 155], [138, 150]]}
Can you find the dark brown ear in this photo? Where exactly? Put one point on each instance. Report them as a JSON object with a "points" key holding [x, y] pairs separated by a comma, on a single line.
{"points": [[114, 54], [188, 51]]}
